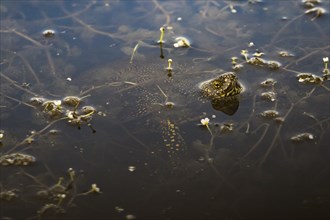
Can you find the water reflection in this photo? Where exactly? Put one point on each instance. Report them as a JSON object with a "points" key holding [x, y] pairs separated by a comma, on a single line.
{"points": [[227, 105], [149, 151]]}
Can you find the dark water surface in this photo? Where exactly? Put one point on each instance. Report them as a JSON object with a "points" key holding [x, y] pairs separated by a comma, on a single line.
{"points": [[264, 156]]}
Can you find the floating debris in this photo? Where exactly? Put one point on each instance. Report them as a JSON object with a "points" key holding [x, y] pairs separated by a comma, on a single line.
{"points": [[181, 42], [17, 159], [302, 137], [309, 78], [270, 114], [48, 33], [269, 96]]}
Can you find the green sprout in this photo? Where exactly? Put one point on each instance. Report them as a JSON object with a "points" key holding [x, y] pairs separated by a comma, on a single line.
{"points": [[169, 61], [59, 182], [134, 51], [234, 60], [72, 174], [326, 69], [245, 54], [169, 67], [162, 31], [60, 198]]}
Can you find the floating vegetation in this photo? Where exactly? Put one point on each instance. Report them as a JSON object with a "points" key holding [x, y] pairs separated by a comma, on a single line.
{"points": [[9, 195], [16, 159], [48, 33], [317, 12], [285, 54], [269, 96], [272, 64], [72, 101], [309, 78], [310, 3], [181, 42], [94, 189], [270, 114], [302, 137], [53, 108], [226, 127], [268, 83], [82, 116], [67, 107], [256, 60]]}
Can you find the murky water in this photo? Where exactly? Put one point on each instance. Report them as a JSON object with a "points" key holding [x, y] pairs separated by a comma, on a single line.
{"points": [[94, 125]]}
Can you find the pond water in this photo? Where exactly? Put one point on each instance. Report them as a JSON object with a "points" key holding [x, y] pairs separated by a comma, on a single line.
{"points": [[97, 123]]}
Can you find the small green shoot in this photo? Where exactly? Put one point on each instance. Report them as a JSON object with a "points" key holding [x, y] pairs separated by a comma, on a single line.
{"points": [[162, 31]]}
